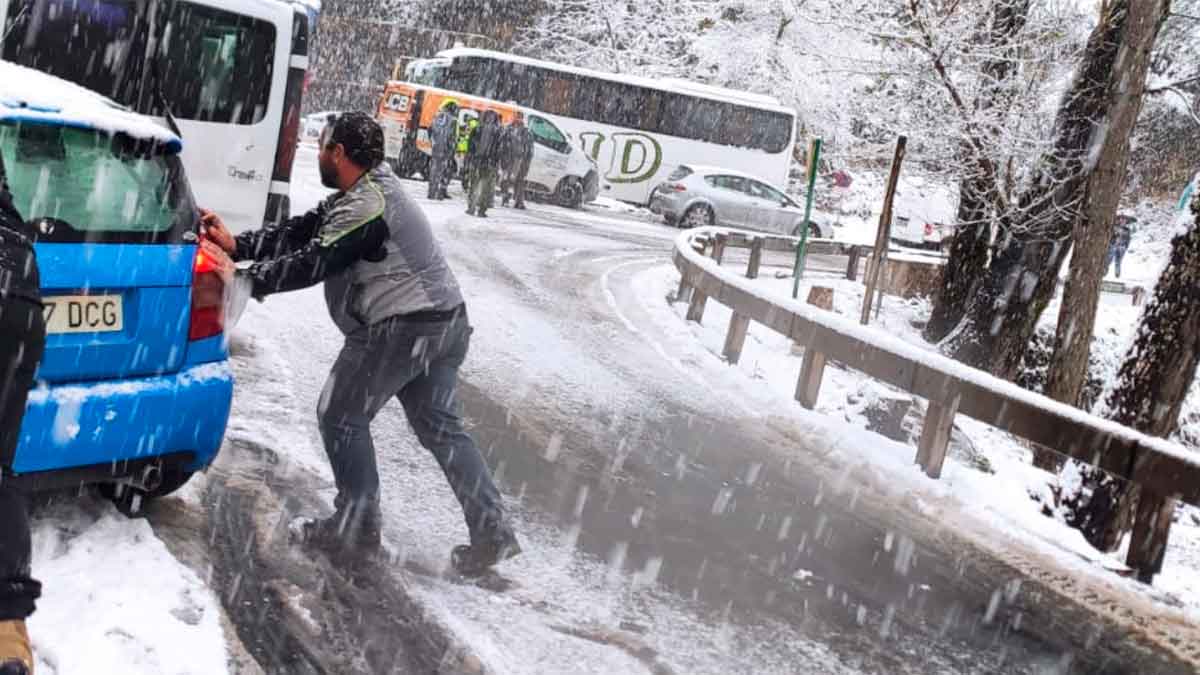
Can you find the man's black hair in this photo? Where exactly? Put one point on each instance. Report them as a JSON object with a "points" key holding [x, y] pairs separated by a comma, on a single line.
{"points": [[361, 136]]}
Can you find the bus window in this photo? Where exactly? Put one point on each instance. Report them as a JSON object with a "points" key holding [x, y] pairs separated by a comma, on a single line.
{"points": [[217, 66], [626, 105], [429, 73], [765, 130], [516, 82], [695, 118], [471, 76], [559, 93]]}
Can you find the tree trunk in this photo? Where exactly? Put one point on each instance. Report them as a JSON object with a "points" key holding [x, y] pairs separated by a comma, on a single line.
{"points": [[973, 231], [1021, 280], [1093, 231], [1151, 385], [968, 259]]}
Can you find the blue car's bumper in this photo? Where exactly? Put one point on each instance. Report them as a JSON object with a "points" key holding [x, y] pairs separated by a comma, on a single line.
{"points": [[126, 422]]}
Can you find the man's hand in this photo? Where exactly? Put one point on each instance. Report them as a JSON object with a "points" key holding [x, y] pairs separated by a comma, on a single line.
{"points": [[225, 266], [213, 229]]}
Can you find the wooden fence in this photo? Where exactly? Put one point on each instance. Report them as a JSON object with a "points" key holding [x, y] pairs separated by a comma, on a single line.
{"points": [[1161, 468]]}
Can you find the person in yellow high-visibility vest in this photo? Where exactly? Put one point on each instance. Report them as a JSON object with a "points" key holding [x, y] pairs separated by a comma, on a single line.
{"points": [[464, 151]]}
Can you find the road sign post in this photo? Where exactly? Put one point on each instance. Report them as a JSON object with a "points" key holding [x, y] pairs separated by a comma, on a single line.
{"points": [[814, 156]]}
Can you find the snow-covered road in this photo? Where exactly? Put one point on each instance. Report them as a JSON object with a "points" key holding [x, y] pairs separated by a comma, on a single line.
{"points": [[674, 519], [673, 522]]}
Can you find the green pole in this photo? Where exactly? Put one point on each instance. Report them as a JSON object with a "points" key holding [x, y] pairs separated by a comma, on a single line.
{"points": [[814, 156]]}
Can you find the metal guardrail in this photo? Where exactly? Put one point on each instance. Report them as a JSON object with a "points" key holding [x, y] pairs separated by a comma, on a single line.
{"points": [[1160, 467]]}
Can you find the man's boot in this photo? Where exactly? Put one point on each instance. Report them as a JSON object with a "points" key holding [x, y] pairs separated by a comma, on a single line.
{"points": [[16, 656], [485, 552], [354, 527]]}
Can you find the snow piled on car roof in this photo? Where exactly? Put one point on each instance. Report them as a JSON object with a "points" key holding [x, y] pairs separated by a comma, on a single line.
{"points": [[34, 96]]}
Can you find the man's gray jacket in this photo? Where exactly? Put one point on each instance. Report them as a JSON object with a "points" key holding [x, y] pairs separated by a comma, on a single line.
{"points": [[372, 246]]}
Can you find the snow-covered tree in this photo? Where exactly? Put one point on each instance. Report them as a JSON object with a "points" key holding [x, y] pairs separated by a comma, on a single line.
{"points": [[1106, 172], [1156, 376], [1166, 140], [1066, 196]]}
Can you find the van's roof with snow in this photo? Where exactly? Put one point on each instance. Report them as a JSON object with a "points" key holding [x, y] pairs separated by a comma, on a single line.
{"points": [[33, 96], [673, 85]]}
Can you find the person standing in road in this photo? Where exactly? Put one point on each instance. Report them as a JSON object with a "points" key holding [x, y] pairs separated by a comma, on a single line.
{"points": [[484, 161], [517, 156], [463, 148], [392, 294], [22, 340], [1119, 245], [443, 136]]}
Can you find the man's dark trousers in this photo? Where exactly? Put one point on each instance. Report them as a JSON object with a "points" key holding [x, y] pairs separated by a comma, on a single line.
{"points": [[416, 359]]}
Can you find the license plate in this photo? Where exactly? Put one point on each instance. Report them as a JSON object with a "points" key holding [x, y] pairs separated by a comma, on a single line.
{"points": [[83, 314]]}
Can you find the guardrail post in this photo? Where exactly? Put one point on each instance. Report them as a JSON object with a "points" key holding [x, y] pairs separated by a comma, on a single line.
{"points": [[699, 300], [852, 265], [756, 252], [719, 242], [735, 339], [684, 293], [812, 369], [1139, 296], [935, 435], [696, 306], [1151, 529]]}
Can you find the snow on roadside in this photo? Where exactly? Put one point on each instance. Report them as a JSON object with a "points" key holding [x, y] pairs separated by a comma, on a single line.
{"points": [[999, 495], [116, 601]]}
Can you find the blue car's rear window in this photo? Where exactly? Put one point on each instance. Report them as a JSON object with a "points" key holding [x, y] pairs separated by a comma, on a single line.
{"points": [[85, 185]]}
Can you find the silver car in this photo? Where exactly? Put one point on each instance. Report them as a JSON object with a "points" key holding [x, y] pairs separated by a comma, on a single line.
{"points": [[696, 196]]}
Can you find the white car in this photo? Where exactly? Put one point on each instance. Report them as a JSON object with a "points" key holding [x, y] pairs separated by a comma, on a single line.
{"points": [[924, 214], [314, 124], [697, 196]]}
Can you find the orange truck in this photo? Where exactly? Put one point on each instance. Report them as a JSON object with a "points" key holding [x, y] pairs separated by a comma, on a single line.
{"points": [[559, 171]]}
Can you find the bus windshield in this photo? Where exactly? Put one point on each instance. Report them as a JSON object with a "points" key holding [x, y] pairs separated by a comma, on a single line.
{"points": [[428, 72], [214, 66]]}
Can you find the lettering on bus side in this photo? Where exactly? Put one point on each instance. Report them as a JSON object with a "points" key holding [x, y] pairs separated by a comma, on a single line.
{"points": [[626, 156]]}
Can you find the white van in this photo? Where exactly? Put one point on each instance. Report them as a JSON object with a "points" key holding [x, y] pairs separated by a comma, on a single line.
{"points": [[231, 72]]}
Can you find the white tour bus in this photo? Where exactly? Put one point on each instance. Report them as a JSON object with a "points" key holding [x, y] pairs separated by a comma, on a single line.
{"points": [[638, 130], [231, 72]]}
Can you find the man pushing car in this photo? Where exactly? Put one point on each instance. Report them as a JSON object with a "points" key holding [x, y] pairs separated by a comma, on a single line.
{"points": [[390, 291]]}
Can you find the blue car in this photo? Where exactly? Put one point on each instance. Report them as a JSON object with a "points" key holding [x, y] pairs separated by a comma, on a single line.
{"points": [[135, 387]]}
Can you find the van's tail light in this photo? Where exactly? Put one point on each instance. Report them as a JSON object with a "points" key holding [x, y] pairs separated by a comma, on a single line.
{"points": [[928, 229], [208, 299]]}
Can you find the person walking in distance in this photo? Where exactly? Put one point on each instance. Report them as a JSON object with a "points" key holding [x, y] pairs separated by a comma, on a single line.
{"points": [[517, 156], [484, 159], [443, 134], [1119, 245], [394, 297], [22, 340]]}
